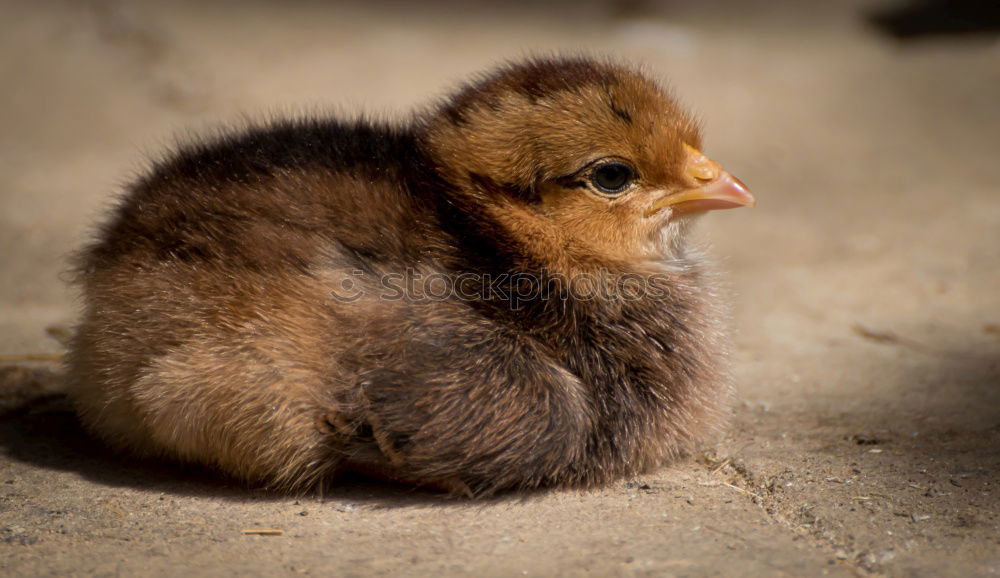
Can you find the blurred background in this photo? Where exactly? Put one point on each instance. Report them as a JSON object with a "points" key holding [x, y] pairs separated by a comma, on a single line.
{"points": [[866, 283]]}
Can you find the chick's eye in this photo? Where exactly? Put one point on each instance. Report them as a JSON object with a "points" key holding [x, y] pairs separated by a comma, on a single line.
{"points": [[612, 177]]}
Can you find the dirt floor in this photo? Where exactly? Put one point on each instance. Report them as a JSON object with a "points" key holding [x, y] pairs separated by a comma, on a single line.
{"points": [[866, 289]]}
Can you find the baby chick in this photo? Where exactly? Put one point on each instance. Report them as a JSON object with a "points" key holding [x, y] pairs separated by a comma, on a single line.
{"points": [[497, 294]]}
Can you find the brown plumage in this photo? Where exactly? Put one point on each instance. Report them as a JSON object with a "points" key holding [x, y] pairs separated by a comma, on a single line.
{"points": [[495, 295]]}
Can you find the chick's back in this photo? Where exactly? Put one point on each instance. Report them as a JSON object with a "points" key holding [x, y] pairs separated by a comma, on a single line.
{"points": [[210, 330]]}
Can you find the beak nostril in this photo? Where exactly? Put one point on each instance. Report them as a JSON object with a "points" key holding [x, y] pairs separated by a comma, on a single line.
{"points": [[704, 172], [701, 168]]}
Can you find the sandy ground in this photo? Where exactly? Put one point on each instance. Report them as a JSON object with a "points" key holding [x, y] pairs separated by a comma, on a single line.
{"points": [[867, 290]]}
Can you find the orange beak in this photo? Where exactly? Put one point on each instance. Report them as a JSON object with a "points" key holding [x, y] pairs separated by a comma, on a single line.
{"points": [[718, 190]]}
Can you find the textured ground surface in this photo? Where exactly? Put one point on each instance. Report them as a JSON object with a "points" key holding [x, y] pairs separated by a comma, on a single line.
{"points": [[867, 439]]}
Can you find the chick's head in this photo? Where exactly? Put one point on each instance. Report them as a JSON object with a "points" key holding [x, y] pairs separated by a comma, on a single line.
{"points": [[585, 157]]}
